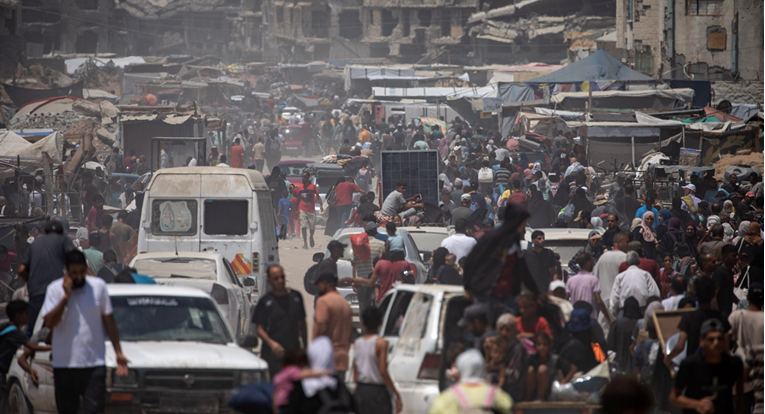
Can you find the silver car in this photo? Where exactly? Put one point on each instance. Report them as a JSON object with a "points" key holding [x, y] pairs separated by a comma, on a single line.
{"points": [[345, 269]]}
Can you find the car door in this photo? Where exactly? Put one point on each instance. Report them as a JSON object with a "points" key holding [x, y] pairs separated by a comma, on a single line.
{"points": [[239, 295], [42, 397], [412, 342], [399, 305], [413, 257]]}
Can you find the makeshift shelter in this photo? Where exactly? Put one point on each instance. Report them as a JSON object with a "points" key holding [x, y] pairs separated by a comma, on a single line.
{"points": [[598, 67], [18, 153]]}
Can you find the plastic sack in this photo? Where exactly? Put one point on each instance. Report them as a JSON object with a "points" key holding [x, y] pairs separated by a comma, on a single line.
{"points": [[253, 398], [564, 392], [360, 246]]}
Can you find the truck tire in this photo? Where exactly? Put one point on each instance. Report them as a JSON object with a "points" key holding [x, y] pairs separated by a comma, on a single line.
{"points": [[18, 401]]}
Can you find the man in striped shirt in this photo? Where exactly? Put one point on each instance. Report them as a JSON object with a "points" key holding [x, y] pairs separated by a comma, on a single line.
{"points": [[502, 175]]}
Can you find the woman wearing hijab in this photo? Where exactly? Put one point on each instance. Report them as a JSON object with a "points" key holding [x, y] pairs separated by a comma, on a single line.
{"points": [[620, 335], [752, 244], [672, 236], [443, 148], [472, 390], [646, 235], [311, 394], [543, 214], [580, 202], [441, 273], [333, 222], [692, 239], [742, 228]]}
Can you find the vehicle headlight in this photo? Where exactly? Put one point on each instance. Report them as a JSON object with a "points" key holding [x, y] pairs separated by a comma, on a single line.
{"points": [[130, 380], [253, 377]]}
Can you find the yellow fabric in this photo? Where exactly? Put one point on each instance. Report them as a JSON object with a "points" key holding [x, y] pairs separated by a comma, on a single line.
{"points": [[506, 195], [585, 86], [448, 403]]}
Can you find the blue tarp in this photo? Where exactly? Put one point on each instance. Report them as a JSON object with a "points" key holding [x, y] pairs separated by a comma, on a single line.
{"points": [[600, 66]]}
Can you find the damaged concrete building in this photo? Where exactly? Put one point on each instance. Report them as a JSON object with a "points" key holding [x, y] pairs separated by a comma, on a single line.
{"points": [[538, 31], [11, 44], [716, 40], [227, 28]]}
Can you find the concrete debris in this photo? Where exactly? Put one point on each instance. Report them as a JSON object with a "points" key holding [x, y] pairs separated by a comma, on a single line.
{"points": [[106, 137], [156, 9], [60, 122], [108, 112], [87, 108]]}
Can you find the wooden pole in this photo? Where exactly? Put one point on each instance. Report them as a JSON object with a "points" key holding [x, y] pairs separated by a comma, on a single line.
{"points": [[633, 153], [50, 184]]}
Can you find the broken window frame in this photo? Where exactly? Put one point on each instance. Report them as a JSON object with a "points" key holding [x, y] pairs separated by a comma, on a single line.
{"points": [[704, 5]]}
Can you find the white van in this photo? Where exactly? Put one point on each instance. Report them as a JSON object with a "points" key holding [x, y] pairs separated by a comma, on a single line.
{"points": [[216, 210]]}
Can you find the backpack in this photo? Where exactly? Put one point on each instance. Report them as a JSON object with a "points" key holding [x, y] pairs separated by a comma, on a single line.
{"points": [[274, 144], [485, 175], [465, 407], [309, 280]]}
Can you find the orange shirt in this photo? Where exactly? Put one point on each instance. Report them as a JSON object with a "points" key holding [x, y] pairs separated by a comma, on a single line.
{"points": [[539, 326], [365, 136]]}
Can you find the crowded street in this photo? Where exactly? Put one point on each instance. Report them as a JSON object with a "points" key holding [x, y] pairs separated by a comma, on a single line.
{"points": [[270, 207]]}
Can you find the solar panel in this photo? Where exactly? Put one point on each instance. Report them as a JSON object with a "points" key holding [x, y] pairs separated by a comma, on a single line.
{"points": [[419, 169]]}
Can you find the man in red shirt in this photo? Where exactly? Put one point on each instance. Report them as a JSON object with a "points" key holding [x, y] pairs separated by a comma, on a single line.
{"points": [[388, 272], [309, 195], [236, 155], [344, 200], [517, 196], [93, 221]]}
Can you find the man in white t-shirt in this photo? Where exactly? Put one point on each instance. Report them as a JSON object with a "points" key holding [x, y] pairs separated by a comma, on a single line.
{"points": [[459, 243], [78, 309]]}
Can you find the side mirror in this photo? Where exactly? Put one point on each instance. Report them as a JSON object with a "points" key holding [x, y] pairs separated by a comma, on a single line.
{"points": [[317, 257], [248, 281], [249, 341]]}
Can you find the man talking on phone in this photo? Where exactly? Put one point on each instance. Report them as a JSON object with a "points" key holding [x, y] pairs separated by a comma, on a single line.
{"points": [[78, 310]]}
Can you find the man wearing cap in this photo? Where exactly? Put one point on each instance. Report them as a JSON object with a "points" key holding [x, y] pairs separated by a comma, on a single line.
{"points": [[476, 319], [364, 269], [42, 264], [333, 318], [706, 380], [593, 247], [634, 282], [463, 211], [690, 201]]}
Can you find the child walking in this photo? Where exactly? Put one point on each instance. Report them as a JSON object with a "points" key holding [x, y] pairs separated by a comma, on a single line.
{"points": [[370, 368], [293, 369]]}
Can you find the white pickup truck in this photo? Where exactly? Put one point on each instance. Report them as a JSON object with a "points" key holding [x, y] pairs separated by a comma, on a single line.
{"points": [[183, 358]]}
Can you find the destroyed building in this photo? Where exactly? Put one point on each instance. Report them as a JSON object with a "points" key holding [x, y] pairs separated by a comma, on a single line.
{"points": [[227, 28], [539, 31], [717, 40], [11, 43]]}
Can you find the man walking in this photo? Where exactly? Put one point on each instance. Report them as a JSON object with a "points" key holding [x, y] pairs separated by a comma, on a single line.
{"points": [[78, 310], [44, 263], [344, 200], [540, 260], [122, 231], [236, 154], [333, 318], [259, 154], [634, 282], [309, 196], [363, 269], [280, 317]]}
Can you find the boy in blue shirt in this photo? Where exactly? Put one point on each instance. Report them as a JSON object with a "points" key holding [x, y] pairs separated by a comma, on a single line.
{"points": [[284, 207]]}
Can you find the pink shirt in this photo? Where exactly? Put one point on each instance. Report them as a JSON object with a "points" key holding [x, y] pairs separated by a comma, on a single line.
{"points": [[583, 286], [284, 381]]}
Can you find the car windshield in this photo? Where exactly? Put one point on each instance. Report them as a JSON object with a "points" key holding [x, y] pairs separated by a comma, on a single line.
{"points": [[293, 169], [169, 318], [565, 248], [177, 267], [427, 242]]}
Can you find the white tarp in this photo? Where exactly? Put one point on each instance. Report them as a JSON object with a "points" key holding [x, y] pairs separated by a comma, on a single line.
{"points": [[562, 114], [31, 154], [449, 92], [73, 64], [681, 94], [652, 120]]}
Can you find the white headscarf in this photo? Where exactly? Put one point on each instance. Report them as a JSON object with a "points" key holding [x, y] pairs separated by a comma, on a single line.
{"points": [[471, 366], [320, 357], [728, 232], [445, 179]]}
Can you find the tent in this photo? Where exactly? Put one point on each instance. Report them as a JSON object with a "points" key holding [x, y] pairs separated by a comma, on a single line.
{"points": [[600, 66], [14, 146]]}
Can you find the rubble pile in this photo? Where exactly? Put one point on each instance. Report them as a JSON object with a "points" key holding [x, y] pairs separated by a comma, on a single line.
{"points": [[62, 122], [744, 157]]}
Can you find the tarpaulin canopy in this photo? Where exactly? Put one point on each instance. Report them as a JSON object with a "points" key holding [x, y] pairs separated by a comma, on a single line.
{"points": [[600, 66], [21, 96], [429, 123], [31, 155]]}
